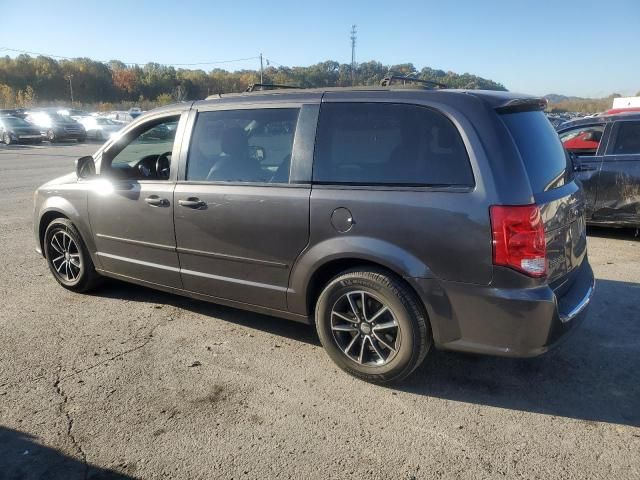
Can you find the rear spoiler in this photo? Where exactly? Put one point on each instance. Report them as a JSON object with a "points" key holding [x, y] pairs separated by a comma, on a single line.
{"points": [[522, 105]]}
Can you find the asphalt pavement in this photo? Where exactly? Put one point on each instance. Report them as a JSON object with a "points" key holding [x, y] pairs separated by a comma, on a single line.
{"points": [[127, 382]]}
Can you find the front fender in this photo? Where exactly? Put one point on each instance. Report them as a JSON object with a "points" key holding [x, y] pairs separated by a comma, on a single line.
{"points": [[73, 206], [366, 249]]}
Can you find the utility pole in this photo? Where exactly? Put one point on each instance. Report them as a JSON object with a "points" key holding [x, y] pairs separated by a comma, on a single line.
{"points": [[261, 69], [70, 76], [353, 54]]}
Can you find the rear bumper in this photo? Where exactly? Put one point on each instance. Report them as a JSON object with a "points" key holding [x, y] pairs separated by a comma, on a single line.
{"points": [[522, 322]]}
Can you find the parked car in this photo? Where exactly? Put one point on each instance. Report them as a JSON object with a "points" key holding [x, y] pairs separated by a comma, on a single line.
{"points": [[74, 113], [55, 127], [135, 112], [120, 117], [16, 130], [12, 112], [100, 128], [393, 220], [606, 158]]}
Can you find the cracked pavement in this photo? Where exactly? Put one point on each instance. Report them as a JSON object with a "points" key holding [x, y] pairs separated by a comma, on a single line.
{"points": [[132, 383]]}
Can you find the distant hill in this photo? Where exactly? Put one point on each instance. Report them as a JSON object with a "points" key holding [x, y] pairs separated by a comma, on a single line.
{"points": [[556, 98], [564, 103]]}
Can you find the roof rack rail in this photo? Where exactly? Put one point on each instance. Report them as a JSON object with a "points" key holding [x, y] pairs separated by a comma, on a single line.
{"points": [[267, 86], [387, 81]]}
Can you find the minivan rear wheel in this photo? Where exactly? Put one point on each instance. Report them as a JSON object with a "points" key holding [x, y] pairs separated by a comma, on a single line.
{"points": [[68, 258], [372, 325]]}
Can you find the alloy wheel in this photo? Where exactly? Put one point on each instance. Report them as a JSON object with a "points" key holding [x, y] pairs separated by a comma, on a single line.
{"points": [[365, 328], [65, 256]]}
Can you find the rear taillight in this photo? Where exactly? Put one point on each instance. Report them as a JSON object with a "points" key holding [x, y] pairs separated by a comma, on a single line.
{"points": [[518, 238]]}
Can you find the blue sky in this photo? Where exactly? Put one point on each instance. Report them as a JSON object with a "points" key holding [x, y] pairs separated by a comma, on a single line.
{"points": [[585, 48]]}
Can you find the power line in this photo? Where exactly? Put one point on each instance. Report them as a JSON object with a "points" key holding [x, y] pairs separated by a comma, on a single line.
{"points": [[217, 62]]}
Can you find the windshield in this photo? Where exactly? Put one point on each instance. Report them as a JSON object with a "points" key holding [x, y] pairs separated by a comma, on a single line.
{"points": [[15, 122], [542, 153]]}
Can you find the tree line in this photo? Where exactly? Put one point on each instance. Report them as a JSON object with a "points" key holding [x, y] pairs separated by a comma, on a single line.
{"points": [[586, 105], [26, 81]]}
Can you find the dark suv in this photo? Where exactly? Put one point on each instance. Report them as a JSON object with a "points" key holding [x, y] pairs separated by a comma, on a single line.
{"points": [[606, 159], [393, 220], [55, 127]]}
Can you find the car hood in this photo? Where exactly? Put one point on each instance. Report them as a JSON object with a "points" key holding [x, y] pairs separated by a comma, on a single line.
{"points": [[63, 180]]}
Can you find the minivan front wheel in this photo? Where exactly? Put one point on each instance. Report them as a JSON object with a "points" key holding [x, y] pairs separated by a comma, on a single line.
{"points": [[372, 325], [67, 256]]}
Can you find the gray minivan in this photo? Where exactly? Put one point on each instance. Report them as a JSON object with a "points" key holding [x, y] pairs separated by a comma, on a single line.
{"points": [[392, 219]]}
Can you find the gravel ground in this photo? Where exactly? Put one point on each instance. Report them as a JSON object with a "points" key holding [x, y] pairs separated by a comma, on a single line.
{"points": [[132, 383]]}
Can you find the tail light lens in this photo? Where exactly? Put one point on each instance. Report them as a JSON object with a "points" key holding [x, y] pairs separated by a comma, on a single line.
{"points": [[518, 239]]}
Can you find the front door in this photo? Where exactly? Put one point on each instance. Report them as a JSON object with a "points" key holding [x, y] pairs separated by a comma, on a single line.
{"points": [[131, 206], [619, 181], [240, 221], [585, 143]]}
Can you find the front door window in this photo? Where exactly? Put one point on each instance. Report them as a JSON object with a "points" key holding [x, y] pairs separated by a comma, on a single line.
{"points": [[145, 153]]}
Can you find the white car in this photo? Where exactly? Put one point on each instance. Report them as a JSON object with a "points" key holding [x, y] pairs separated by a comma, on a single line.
{"points": [[100, 128]]}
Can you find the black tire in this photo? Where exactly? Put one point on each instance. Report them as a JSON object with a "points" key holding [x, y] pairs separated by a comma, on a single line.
{"points": [[6, 138], [51, 136], [381, 289], [81, 139], [83, 275]]}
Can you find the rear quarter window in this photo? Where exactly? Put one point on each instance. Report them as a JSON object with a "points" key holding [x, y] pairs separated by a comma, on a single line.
{"points": [[388, 144], [544, 157]]}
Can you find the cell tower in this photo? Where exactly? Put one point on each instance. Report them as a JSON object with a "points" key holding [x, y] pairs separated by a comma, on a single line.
{"points": [[353, 54]]}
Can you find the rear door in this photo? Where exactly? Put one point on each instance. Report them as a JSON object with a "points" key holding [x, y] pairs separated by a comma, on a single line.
{"points": [[394, 182], [585, 142], [560, 198], [242, 206], [618, 199]]}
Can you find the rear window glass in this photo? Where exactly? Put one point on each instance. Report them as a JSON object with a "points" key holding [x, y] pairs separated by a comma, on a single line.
{"points": [[540, 148], [388, 144]]}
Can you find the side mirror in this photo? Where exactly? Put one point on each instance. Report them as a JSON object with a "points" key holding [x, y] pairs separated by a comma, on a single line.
{"points": [[85, 167]]}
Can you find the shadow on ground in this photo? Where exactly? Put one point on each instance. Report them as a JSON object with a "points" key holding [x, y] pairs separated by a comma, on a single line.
{"points": [[276, 326], [592, 376], [618, 233], [23, 458]]}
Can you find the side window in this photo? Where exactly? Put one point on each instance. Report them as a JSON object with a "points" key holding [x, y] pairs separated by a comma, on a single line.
{"points": [[388, 144], [242, 146], [627, 139], [583, 140], [144, 153]]}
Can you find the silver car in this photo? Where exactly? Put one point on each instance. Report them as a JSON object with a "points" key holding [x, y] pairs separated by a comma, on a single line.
{"points": [[100, 128]]}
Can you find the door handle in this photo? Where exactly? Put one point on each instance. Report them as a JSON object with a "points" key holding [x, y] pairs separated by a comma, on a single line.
{"points": [[584, 168], [193, 202], [156, 201]]}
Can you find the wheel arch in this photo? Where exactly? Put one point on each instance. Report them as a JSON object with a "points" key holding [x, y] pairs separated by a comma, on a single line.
{"points": [[45, 219], [59, 207], [319, 264]]}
